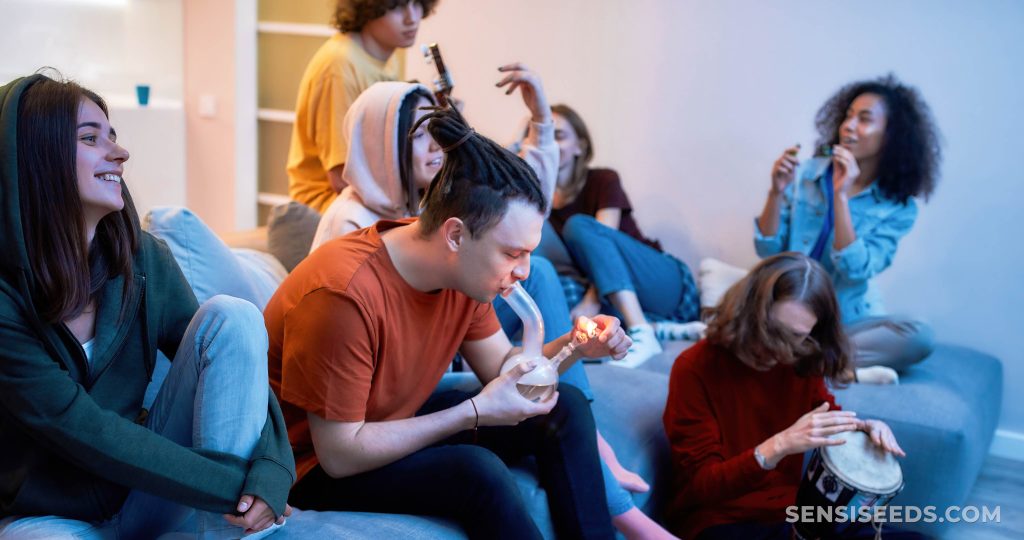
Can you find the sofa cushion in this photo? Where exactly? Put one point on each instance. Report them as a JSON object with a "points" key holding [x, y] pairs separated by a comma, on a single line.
{"points": [[210, 267], [290, 231], [715, 277], [265, 273]]}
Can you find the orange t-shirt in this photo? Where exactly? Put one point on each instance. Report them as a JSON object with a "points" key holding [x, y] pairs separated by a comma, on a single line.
{"points": [[350, 340]]}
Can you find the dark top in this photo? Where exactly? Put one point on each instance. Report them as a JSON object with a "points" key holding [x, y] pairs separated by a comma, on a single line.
{"points": [[602, 190]]}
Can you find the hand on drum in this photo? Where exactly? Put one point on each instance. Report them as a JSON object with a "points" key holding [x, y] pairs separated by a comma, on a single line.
{"points": [[881, 435], [810, 431]]}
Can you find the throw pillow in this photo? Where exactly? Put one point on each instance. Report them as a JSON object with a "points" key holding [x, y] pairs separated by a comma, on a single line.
{"points": [[290, 231]]}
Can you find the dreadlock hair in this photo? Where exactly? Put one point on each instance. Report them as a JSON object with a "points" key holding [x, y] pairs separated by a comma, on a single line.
{"points": [[478, 179]]}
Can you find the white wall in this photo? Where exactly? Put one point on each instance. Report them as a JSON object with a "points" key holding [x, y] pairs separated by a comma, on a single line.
{"points": [[106, 45], [691, 101], [109, 46]]}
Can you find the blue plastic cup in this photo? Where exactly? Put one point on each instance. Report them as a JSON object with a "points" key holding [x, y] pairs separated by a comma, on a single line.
{"points": [[142, 92]]}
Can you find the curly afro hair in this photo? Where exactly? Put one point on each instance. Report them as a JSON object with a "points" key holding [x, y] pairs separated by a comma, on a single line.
{"points": [[909, 162], [352, 15]]}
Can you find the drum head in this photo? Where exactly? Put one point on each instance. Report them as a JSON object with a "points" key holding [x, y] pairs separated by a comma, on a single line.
{"points": [[863, 465]]}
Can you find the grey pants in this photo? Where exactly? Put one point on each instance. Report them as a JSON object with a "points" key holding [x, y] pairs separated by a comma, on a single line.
{"points": [[890, 341]]}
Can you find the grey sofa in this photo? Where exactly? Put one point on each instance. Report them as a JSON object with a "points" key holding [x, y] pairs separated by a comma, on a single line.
{"points": [[944, 412]]}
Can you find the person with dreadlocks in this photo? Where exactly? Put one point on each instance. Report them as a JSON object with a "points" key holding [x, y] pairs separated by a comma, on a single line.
{"points": [[363, 329], [388, 170]]}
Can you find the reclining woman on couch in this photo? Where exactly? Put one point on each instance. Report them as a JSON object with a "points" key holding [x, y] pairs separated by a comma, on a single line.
{"points": [[387, 170], [745, 403], [850, 211], [86, 301], [591, 237]]}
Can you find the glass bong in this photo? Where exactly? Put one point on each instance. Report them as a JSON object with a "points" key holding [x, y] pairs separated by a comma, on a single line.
{"points": [[540, 383]]}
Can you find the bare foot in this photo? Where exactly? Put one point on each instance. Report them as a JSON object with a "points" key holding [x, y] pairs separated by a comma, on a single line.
{"points": [[629, 480]]}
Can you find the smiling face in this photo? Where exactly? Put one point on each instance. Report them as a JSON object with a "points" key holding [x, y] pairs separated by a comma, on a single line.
{"points": [[396, 28], [494, 260], [426, 155], [863, 130], [99, 162]]}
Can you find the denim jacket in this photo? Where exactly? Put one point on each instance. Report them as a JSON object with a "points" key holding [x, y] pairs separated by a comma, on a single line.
{"points": [[879, 224]]}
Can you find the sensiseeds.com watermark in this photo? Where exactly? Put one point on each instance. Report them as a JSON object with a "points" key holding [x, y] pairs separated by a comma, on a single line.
{"points": [[892, 514]]}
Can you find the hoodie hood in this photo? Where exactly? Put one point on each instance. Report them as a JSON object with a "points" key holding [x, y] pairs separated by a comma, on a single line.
{"points": [[15, 270], [14, 267], [372, 165]]}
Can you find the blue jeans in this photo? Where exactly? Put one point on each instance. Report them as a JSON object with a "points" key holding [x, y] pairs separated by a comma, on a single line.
{"points": [[546, 291], [214, 397], [615, 261]]}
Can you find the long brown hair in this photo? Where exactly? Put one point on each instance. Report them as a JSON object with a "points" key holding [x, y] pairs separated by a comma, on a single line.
{"points": [[581, 166], [52, 217], [742, 321]]}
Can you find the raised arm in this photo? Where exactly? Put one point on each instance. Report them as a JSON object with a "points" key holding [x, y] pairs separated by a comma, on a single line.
{"points": [[539, 149], [771, 227]]}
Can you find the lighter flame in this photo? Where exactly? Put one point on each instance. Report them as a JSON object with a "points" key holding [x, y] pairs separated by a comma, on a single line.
{"points": [[587, 329]]}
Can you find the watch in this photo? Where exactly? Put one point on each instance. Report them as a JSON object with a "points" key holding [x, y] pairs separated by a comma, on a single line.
{"points": [[761, 460]]}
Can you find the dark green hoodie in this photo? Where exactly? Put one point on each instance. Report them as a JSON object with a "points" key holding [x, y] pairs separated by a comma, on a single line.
{"points": [[69, 445]]}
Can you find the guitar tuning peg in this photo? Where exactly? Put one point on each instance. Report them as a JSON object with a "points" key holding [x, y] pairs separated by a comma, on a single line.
{"points": [[426, 53]]}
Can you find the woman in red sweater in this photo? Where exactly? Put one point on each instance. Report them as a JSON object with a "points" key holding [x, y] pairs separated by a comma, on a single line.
{"points": [[746, 403]]}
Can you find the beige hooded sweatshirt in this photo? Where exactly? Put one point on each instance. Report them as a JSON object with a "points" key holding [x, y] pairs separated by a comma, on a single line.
{"points": [[375, 189]]}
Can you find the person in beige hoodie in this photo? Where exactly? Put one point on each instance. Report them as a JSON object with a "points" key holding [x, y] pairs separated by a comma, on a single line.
{"points": [[386, 172]]}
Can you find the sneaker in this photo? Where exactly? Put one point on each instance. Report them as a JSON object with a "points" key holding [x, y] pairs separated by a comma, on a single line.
{"points": [[877, 375], [645, 346], [675, 331]]}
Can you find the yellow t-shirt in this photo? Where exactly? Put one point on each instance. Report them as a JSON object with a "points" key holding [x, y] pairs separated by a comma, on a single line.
{"points": [[339, 71]]}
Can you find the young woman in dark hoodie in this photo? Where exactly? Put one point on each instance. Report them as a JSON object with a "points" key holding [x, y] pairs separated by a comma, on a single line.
{"points": [[86, 301]]}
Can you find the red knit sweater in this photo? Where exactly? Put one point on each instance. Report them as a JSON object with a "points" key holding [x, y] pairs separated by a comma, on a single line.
{"points": [[718, 410]]}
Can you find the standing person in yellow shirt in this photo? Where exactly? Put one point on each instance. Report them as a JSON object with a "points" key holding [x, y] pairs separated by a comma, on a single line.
{"points": [[361, 54]]}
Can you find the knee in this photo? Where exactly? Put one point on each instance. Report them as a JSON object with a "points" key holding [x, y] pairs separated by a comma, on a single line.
{"points": [[541, 268], [234, 312], [578, 227], [234, 321], [920, 342], [543, 277], [572, 416]]}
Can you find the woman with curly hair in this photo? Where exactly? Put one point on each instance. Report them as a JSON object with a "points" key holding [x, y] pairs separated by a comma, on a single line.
{"points": [[360, 54], [850, 210], [748, 401]]}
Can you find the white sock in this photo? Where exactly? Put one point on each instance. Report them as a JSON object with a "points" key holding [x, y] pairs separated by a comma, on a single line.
{"points": [[877, 375]]}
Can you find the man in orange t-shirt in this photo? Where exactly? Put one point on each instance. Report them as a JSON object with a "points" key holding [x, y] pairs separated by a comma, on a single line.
{"points": [[363, 329]]}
